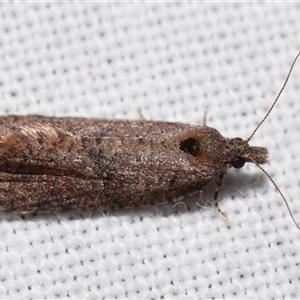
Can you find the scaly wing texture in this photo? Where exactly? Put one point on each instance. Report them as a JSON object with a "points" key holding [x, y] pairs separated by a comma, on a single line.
{"points": [[75, 164]]}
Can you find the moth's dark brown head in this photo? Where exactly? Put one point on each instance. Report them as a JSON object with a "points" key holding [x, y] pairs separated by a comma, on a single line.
{"points": [[243, 153]]}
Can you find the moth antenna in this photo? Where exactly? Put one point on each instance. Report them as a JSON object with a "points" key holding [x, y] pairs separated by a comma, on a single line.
{"points": [[277, 188], [276, 99]]}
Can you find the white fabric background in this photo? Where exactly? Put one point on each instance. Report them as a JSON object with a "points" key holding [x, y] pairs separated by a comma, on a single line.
{"points": [[174, 60]]}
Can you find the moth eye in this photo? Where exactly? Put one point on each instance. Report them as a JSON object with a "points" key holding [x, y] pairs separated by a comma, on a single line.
{"points": [[191, 146], [238, 162], [237, 139]]}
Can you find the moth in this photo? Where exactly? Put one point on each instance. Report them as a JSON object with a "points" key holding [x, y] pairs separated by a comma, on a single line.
{"points": [[50, 164]]}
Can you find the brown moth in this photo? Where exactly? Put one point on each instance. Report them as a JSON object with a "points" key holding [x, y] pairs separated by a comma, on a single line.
{"points": [[70, 164], [52, 164]]}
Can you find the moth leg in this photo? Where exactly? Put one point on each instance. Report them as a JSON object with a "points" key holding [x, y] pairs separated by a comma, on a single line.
{"points": [[215, 201], [140, 112], [204, 118]]}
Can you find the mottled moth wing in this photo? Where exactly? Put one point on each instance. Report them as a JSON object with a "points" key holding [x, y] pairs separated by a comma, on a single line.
{"points": [[76, 164]]}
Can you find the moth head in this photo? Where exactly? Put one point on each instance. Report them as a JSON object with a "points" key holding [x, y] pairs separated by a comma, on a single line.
{"points": [[244, 153], [258, 155]]}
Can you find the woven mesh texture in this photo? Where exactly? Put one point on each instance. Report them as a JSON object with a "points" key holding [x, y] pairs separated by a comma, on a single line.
{"points": [[174, 61]]}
